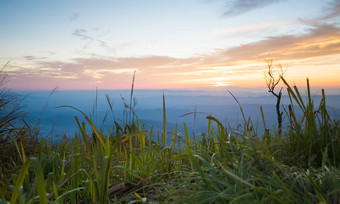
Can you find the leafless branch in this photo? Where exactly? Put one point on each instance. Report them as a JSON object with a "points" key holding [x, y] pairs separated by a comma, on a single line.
{"points": [[272, 81]]}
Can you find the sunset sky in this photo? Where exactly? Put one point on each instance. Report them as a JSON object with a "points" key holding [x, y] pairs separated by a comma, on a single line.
{"points": [[180, 44]]}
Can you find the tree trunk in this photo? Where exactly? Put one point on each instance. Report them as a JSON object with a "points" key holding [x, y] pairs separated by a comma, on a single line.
{"points": [[279, 113]]}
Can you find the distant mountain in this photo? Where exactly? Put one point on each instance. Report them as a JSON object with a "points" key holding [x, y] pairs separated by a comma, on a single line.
{"points": [[45, 109]]}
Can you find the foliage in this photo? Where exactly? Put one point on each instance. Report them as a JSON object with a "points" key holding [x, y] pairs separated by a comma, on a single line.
{"points": [[124, 163], [13, 128]]}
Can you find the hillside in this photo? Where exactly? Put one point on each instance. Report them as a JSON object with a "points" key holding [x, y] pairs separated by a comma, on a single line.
{"points": [[125, 161]]}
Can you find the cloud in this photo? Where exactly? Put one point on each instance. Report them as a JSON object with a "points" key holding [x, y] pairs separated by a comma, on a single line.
{"points": [[83, 34], [243, 64], [108, 72], [320, 41], [331, 10], [74, 16], [249, 29], [30, 57], [237, 7], [97, 68], [248, 61], [147, 62]]}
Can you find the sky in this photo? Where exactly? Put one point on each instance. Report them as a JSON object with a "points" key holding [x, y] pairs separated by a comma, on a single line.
{"points": [[170, 44]]}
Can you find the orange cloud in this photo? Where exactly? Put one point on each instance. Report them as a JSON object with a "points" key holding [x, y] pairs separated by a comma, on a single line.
{"points": [[315, 55]]}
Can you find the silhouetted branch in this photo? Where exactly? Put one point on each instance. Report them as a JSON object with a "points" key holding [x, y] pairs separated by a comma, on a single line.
{"points": [[272, 81]]}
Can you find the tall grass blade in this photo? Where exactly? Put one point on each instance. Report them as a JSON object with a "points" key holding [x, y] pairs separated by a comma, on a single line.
{"points": [[19, 181], [39, 176], [164, 123]]}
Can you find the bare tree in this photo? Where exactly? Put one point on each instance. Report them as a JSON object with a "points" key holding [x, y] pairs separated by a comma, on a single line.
{"points": [[272, 80]]}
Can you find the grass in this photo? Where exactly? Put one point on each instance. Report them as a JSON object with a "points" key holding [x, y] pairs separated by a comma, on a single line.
{"points": [[123, 164]]}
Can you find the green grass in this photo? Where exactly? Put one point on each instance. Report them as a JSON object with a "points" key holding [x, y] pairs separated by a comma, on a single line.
{"points": [[123, 164]]}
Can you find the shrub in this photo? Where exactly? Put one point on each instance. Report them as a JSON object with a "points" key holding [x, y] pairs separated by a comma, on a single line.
{"points": [[13, 128]]}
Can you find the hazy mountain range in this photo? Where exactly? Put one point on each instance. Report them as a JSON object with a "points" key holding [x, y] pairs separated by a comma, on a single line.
{"points": [[43, 107]]}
